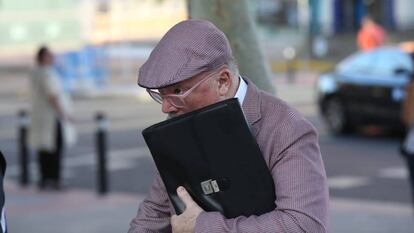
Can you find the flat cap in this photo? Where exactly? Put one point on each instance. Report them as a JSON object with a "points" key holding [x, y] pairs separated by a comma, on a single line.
{"points": [[187, 49]]}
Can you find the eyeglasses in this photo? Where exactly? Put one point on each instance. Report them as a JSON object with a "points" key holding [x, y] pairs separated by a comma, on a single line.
{"points": [[177, 100]]}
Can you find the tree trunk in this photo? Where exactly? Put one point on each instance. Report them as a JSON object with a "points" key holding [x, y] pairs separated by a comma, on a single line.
{"points": [[234, 19]]}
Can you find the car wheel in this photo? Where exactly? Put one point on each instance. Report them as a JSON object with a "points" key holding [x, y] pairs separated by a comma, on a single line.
{"points": [[335, 116]]}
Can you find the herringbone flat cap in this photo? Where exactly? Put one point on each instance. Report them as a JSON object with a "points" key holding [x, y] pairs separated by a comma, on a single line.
{"points": [[187, 49]]}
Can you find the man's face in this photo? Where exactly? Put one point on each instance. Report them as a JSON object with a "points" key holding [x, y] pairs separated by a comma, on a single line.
{"points": [[209, 91], [48, 58]]}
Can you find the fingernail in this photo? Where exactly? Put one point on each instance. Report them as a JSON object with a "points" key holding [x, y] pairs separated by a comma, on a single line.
{"points": [[180, 189]]}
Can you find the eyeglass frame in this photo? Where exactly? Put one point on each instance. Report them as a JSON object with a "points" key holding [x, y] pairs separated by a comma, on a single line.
{"points": [[159, 98]]}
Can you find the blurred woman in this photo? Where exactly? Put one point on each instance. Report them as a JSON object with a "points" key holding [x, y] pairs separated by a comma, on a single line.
{"points": [[51, 126]]}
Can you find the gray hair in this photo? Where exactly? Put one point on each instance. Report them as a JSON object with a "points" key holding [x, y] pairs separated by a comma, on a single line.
{"points": [[233, 67]]}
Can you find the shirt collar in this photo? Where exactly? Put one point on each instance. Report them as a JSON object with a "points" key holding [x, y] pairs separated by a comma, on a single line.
{"points": [[241, 91]]}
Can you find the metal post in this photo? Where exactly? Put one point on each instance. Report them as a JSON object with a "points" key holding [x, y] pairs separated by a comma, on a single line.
{"points": [[289, 53], [101, 149], [23, 148]]}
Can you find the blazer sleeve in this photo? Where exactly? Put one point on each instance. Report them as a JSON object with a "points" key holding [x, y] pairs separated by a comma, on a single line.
{"points": [[154, 212], [300, 186]]}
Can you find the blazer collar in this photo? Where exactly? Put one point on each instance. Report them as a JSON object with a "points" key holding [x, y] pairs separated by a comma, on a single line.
{"points": [[251, 103]]}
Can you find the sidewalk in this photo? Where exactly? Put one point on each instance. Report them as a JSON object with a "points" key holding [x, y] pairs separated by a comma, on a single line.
{"points": [[74, 211], [69, 211]]}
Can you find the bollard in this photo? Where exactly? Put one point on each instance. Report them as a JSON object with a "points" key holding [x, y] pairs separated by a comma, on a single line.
{"points": [[289, 53], [101, 149], [23, 148]]}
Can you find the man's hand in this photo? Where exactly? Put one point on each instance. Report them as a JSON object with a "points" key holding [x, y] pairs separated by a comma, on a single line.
{"points": [[185, 222]]}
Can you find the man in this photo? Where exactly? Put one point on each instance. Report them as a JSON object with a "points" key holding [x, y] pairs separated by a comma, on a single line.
{"points": [[370, 35], [192, 67], [51, 127]]}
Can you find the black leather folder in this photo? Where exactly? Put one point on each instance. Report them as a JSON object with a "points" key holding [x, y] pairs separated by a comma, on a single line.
{"points": [[212, 153]]}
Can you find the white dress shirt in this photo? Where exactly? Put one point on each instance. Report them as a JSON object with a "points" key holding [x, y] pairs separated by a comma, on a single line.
{"points": [[241, 91]]}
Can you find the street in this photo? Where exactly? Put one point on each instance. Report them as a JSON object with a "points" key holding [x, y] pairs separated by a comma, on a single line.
{"points": [[363, 171]]}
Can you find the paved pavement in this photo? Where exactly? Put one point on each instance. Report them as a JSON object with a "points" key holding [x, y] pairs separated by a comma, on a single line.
{"points": [[70, 211], [75, 210]]}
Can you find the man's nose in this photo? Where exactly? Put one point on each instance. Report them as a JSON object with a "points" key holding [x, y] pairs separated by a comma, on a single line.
{"points": [[167, 107]]}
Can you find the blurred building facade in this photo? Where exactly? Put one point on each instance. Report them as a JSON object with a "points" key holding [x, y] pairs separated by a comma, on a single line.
{"points": [[128, 20], [328, 17], [69, 25], [24, 25], [346, 15]]}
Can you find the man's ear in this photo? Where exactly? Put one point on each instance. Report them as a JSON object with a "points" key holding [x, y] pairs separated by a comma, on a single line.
{"points": [[224, 82]]}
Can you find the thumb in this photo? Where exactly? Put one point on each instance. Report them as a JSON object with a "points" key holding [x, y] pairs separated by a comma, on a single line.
{"points": [[185, 196]]}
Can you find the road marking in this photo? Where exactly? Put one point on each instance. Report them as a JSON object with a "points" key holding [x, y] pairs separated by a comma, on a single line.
{"points": [[345, 182], [117, 160], [373, 207], [394, 173]]}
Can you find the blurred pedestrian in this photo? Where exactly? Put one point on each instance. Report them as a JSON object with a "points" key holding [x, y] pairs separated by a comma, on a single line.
{"points": [[51, 115], [191, 67], [3, 225], [407, 147], [370, 35]]}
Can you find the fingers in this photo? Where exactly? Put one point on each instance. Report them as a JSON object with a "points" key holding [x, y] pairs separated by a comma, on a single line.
{"points": [[173, 219], [185, 196]]}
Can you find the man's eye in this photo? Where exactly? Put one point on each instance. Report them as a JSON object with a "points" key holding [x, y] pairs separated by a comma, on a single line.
{"points": [[177, 91]]}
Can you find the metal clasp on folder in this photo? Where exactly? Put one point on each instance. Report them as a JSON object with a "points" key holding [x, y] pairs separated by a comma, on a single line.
{"points": [[210, 186]]}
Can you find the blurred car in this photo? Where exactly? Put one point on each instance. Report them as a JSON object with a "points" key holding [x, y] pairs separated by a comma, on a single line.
{"points": [[365, 88]]}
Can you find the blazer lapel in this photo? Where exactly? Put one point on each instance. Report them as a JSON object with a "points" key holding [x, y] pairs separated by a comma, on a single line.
{"points": [[251, 106]]}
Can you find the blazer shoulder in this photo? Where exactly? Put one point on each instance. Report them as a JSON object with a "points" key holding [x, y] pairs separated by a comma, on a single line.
{"points": [[281, 114]]}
